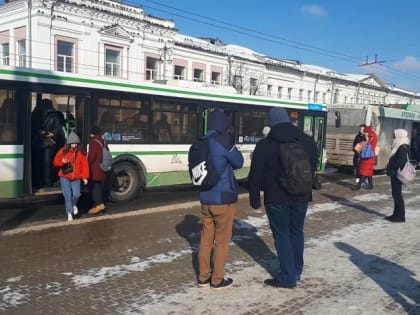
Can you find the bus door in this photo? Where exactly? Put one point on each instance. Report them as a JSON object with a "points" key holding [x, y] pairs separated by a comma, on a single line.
{"points": [[48, 109], [315, 127]]}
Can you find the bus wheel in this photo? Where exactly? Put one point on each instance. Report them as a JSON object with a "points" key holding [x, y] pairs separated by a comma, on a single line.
{"points": [[125, 184]]}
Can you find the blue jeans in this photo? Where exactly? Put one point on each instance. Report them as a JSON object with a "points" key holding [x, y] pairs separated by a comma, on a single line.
{"points": [[71, 192], [286, 222]]}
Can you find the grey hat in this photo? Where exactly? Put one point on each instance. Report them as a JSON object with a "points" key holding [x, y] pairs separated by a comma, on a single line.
{"points": [[72, 138]]}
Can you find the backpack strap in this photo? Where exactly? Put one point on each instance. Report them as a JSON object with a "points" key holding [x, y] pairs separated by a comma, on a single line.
{"points": [[100, 143]]}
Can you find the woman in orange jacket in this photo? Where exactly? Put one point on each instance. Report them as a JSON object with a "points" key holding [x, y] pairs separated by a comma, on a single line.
{"points": [[73, 168]]}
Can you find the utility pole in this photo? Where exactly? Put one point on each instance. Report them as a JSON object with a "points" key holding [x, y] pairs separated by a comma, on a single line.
{"points": [[367, 63]]}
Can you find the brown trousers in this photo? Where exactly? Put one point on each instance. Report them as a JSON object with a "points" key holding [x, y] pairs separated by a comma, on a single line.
{"points": [[216, 235]]}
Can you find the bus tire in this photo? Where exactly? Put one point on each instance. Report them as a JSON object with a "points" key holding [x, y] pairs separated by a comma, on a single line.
{"points": [[125, 183]]}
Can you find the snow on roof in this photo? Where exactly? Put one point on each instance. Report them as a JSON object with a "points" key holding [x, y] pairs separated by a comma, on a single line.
{"points": [[243, 52]]}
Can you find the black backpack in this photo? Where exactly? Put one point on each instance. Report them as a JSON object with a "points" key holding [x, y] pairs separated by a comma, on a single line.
{"points": [[200, 166], [295, 172]]}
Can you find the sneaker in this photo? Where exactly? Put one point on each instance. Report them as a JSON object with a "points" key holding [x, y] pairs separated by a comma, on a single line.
{"points": [[203, 283], [223, 284], [357, 180], [277, 284], [69, 217], [75, 210]]}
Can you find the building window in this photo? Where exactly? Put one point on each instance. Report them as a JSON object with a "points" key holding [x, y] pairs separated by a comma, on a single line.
{"points": [[198, 75], [112, 62], [21, 50], [316, 97], [65, 56], [5, 54], [324, 97], [289, 93], [279, 91], [335, 100], [309, 95], [300, 95], [179, 73], [253, 86], [269, 90], [215, 78], [151, 68]]}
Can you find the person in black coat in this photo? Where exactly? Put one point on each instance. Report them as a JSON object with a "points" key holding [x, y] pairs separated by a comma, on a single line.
{"points": [[400, 150], [286, 213]]}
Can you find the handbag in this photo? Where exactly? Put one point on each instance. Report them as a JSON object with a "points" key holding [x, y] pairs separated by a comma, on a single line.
{"points": [[359, 146], [67, 168], [407, 173], [48, 142], [367, 152]]}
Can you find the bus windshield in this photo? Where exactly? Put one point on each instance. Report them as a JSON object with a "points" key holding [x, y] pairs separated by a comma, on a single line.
{"points": [[345, 121]]}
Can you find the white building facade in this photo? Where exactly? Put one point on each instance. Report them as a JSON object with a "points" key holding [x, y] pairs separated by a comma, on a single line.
{"points": [[109, 38]]}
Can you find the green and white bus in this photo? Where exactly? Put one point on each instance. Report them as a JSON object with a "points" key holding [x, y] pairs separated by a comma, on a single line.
{"points": [[149, 127]]}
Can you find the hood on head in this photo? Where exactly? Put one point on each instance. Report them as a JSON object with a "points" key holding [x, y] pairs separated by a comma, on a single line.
{"points": [[218, 121], [277, 116], [400, 133], [73, 138]]}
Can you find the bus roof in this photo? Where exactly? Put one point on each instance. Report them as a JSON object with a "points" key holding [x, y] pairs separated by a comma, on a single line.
{"points": [[212, 93]]}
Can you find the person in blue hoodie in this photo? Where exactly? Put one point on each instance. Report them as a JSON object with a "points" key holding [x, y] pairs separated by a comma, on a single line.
{"points": [[286, 213], [218, 204]]}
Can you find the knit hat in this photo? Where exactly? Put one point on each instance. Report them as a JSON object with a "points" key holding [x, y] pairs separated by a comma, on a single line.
{"points": [[73, 138], [96, 130], [217, 120], [277, 116]]}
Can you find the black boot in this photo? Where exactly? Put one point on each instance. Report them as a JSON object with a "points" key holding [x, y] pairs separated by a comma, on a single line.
{"points": [[370, 183], [359, 184]]}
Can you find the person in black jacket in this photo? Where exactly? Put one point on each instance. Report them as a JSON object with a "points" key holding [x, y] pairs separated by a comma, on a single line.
{"points": [[400, 150], [286, 213], [356, 157]]}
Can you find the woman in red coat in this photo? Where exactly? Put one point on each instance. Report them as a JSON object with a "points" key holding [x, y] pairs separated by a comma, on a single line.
{"points": [[73, 168], [97, 175], [366, 165]]}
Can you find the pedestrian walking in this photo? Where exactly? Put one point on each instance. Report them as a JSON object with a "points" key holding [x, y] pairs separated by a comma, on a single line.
{"points": [[286, 212], [98, 177], [400, 150], [358, 139], [366, 164], [73, 169], [218, 204]]}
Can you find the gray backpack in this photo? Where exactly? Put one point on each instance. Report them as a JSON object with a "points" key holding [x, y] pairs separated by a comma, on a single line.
{"points": [[106, 163]]}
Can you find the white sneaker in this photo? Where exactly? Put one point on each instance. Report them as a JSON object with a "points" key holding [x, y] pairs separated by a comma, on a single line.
{"points": [[75, 210], [357, 180], [69, 217]]}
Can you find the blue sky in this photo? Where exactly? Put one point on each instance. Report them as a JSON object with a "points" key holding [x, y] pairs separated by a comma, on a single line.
{"points": [[336, 34]]}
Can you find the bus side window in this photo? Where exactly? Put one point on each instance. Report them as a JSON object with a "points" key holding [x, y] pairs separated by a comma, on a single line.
{"points": [[8, 124]]}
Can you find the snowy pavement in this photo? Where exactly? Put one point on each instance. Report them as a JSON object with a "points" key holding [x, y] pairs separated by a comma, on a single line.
{"points": [[355, 262]]}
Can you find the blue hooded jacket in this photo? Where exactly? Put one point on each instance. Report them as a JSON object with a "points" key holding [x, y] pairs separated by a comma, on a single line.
{"points": [[226, 158]]}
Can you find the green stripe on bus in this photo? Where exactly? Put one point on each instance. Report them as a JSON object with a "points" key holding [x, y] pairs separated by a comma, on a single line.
{"points": [[140, 153], [150, 88], [172, 178], [11, 189], [11, 156]]}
